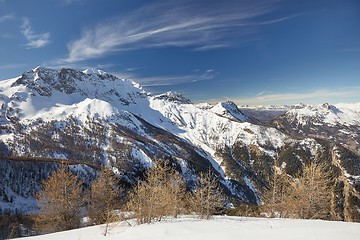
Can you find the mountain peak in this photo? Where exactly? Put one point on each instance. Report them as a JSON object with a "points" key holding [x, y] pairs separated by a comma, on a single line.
{"points": [[44, 81], [230, 110], [174, 97], [41, 89]]}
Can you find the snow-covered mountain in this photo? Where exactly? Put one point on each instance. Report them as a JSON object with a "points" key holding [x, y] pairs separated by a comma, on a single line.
{"points": [[330, 115], [95, 118], [229, 110], [339, 123]]}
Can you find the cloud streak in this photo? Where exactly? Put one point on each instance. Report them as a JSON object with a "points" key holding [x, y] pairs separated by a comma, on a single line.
{"points": [[6, 17], [169, 79], [202, 25], [174, 80], [69, 2], [34, 40]]}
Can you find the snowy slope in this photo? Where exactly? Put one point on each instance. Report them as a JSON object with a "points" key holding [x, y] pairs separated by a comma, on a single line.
{"points": [[218, 228], [208, 129]]}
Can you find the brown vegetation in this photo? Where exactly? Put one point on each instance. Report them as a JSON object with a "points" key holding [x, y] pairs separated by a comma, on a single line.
{"points": [[104, 199], [307, 196], [60, 202], [160, 195], [311, 195], [207, 198]]}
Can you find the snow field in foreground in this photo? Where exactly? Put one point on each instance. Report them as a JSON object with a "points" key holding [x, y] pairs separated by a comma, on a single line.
{"points": [[221, 227]]}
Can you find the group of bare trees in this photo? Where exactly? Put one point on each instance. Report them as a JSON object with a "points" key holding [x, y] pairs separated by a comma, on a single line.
{"points": [[60, 202], [62, 199], [163, 192], [207, 197], [104, 199], [305, 196], [160, 194]]}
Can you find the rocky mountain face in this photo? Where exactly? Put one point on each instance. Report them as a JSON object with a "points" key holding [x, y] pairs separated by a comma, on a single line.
{"points": [[92, 118]]}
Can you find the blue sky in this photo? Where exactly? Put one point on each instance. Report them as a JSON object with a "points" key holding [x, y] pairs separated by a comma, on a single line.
{"points": [[249, 51]]}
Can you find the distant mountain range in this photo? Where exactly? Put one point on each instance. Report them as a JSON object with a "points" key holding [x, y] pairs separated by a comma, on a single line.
{"points": [[94, 118]]}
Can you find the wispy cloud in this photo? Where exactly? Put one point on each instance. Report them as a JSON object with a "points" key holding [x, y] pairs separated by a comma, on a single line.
{"points": [[201, 25], [313, 97], [34, 40], [145, 81], [12, 66], [132, 69], [169, 79], [69, 2], [263, 93], [6, 17], [351, 50]]}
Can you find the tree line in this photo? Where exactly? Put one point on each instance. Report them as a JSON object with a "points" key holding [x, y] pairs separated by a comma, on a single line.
{"points": [[64, 202]]}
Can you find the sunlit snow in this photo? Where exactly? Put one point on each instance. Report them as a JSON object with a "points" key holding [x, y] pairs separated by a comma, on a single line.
{"points": [[221, 227]]}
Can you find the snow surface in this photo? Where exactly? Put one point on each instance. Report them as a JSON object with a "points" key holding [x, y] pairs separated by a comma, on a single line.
{"points": [[221, 227]]}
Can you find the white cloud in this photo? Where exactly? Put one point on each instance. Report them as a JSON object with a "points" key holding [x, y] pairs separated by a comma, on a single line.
{"points": [[34, 40], [201, 26], [6, 17]]}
